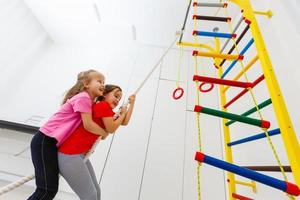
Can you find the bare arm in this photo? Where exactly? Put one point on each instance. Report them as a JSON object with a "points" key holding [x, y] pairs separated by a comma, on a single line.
{"points": [[111, 124], [91, 126], [131, 100]]}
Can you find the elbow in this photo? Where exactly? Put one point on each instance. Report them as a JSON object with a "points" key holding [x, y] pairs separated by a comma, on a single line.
{"points": [[87, 126], [110, 129]]}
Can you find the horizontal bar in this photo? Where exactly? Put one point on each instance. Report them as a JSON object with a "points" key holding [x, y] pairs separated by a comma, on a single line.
{"points": [[227, 115], [234, 30], [269, 168], [246, 68], [192, 44], [284, 186], [217, 55], [214, 34], [240, 197], [221, 81], [216, 5], [268, 13], [253, 110], [234, 99], [18, 127], [254, 137], [236, 43], [252, 184], [257, 81], [245, 49], [212, 18], [189, 44]]}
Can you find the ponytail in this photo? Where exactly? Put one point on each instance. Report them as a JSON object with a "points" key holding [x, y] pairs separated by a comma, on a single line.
{"points": [[82, 78]]}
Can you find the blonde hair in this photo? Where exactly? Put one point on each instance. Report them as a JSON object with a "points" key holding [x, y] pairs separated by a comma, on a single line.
{"points": [[83, 78]]}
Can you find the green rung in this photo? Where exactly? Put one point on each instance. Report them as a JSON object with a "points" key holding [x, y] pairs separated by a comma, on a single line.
{"points": [[246, 120], [252, 110]]}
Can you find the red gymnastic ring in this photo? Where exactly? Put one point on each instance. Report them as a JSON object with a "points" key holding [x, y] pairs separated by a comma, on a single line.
{"points": [[180, 94], [206, 90]]}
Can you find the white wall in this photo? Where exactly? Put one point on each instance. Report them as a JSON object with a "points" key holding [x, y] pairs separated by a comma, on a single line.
{"points": [[153, 157]]}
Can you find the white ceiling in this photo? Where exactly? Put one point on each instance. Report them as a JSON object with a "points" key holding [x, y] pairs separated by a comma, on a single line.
{"points": [[69, 21], [113, 22]]}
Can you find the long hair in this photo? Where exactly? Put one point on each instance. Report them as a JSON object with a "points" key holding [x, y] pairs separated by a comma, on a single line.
{"points": [[108, 88], [83, 77]]}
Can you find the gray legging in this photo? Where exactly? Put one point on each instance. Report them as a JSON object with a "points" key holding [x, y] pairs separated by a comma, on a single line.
{"points": [[79, 175]]}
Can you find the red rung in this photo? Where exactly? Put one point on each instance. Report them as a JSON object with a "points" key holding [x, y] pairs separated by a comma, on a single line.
{"points": [[244, 91], [257, 81], [222, 81], [236, 98], [240, 197]]}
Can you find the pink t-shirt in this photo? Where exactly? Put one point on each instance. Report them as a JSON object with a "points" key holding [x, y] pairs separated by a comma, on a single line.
{"points": [[63, 123]]}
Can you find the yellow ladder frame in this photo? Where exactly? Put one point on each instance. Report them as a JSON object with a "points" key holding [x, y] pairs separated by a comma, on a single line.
{"points": [[285, 124]]}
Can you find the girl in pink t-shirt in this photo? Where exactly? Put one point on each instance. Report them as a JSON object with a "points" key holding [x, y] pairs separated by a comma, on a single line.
{"points": [[76, 109], [77, 171]]}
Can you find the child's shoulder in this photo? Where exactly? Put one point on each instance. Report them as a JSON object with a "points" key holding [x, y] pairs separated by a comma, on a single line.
{"points": [[81, 95], [102, 109], [101, 104]]}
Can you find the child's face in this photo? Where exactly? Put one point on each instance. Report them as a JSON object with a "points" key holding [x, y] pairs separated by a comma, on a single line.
{"points": [[96, 85], [113, 98]]}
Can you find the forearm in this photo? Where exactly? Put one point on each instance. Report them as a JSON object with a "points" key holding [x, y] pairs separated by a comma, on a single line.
{"points": [[91, 126], [95, 129], [116, 123]]}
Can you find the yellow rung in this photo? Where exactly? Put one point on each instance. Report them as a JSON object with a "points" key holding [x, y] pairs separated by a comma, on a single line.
{"points": [[246, 68], [199, 45], [217, 55], [268, 13], [252, 184]]}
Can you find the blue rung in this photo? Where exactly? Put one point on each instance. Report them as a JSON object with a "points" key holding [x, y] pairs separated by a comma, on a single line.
{"points": [[254, 137], [235, 61], [213, 34], [247, 173]]}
